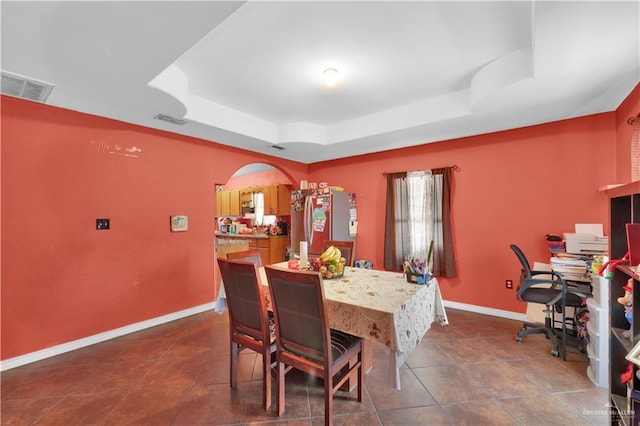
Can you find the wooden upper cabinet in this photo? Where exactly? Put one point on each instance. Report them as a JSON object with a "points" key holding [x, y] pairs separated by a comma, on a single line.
{"points": [[222, 203], [284, 200], [234, 203], [277, 200], [228, 203]]}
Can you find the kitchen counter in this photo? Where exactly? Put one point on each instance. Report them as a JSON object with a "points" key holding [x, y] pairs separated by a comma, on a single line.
{"points": [[272, 247], [220, 235]]}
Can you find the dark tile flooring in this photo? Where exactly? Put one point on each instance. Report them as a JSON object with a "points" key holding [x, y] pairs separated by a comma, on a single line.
{"points": [[470, 372]]}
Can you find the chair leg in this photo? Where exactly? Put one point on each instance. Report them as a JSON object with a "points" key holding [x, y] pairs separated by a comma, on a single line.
{"points": [[266, 379], [233, 368], [328, 401], [280, 388]]}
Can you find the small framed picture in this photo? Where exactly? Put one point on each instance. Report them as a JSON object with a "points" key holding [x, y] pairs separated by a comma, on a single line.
{"points": [[634, 354], [179, 223]]}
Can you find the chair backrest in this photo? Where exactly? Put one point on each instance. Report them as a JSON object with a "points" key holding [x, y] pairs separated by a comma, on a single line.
{"points": [[251, 255], [245, 298], [297, 299], [527, 281], [526, 269], [346, 247]]}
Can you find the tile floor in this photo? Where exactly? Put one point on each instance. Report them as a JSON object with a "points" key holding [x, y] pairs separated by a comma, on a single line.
{"points": [[470, 372]]}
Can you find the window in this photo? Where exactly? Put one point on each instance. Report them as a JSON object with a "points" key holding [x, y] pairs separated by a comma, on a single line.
{"points": [[418, 212]]}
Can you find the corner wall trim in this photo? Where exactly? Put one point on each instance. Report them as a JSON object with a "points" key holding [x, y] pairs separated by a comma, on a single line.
{"points": [[487, 311], [97, 338]]}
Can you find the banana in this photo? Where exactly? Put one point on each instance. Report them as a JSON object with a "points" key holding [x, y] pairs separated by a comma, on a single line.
{"points": [[337, 254], [327, 254]]}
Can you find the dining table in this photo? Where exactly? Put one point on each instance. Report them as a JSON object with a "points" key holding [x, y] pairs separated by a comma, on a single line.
{"points": [[383, 307]]}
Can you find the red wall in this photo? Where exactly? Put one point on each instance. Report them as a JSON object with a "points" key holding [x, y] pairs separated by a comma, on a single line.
{"points": [[629, 108], [61, 279], [512, 187]]}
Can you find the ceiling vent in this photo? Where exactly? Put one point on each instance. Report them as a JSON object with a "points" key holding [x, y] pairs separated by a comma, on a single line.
{"points": [[25, 87], [169, 119]]}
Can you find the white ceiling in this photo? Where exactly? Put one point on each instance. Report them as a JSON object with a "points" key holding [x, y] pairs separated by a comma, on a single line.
{"points": [[248, 74]]}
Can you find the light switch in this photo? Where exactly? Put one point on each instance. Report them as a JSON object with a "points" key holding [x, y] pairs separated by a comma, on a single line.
{"points": [[102, 224]]}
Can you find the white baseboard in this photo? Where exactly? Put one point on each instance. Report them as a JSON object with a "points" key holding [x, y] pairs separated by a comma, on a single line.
{"points": [[97, 338], [487, 311], [111, 334]]}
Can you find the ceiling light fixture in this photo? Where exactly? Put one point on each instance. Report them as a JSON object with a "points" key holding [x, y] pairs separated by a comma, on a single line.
{"points": [[331, 76]]}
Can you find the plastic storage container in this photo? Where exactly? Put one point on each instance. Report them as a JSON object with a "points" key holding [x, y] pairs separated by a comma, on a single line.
{"points": [[598, 348], [601, 291], [598, 315]]}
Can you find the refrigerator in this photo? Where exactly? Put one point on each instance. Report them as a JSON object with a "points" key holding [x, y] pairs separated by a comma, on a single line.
{"points": [[318, 216]]}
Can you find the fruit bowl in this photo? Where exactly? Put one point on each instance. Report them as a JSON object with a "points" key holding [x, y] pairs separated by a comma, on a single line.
{"points": [[330, 263], [330, 269]]}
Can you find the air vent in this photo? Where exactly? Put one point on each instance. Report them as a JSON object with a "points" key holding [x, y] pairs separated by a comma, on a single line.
{"points": [[169, 119], [277, 147], [25, 87]]}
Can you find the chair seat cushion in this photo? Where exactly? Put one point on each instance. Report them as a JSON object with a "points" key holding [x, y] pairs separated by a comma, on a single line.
{"points": [[340, 345], [342, 342], [546, 295]]}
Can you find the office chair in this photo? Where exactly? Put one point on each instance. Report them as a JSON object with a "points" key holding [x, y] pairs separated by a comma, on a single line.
{"points": [[249, 323], [346, 247], [251, 255], [304, 340], [550, 289]]}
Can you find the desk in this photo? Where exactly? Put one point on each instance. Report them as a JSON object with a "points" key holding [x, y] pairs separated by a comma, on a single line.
{"points": [[383, 307]]}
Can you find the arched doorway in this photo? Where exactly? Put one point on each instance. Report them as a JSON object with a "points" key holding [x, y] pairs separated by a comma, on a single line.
{"points": [[255, 184]]}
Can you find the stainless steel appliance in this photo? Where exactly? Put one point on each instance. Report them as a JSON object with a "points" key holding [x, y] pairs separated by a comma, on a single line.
{"points": [[320, 216]]}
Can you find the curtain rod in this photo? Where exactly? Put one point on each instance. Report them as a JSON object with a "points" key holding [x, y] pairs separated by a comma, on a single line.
{"points": [[454, 167], [632, 120]]}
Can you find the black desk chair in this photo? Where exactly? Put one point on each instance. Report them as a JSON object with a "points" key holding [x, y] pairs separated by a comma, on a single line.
{"points": [[550, 289]]}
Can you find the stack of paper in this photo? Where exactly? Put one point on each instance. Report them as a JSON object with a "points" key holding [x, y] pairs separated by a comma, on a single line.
{"points": [[572, 268]]}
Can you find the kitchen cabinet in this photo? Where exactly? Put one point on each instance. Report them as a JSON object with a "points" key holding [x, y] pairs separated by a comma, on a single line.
{"points": [[277, 200], [234, 203], [228, 203], [624, 207]]}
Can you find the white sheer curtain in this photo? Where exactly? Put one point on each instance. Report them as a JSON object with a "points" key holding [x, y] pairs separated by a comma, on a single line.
{"points": [[420, 191], [418, 211]]}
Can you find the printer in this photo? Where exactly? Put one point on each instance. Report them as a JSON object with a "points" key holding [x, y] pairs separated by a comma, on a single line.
{"points": [[582, 243]]}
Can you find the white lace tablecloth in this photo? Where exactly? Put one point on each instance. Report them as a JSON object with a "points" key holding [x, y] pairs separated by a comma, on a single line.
{"points": [[382, 306]]}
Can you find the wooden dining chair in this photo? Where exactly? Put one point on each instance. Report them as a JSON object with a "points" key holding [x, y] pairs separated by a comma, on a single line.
{"points": [[346, 247], [250, 326], [304, 340], [251, 255]]}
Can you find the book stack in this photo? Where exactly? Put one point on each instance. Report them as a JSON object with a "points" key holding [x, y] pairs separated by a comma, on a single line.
{"points": [[572, 267], [556, 246]]}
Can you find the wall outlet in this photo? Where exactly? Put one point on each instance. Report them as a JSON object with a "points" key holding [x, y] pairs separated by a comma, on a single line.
{"points": [[509, 284], [102, 224]]}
